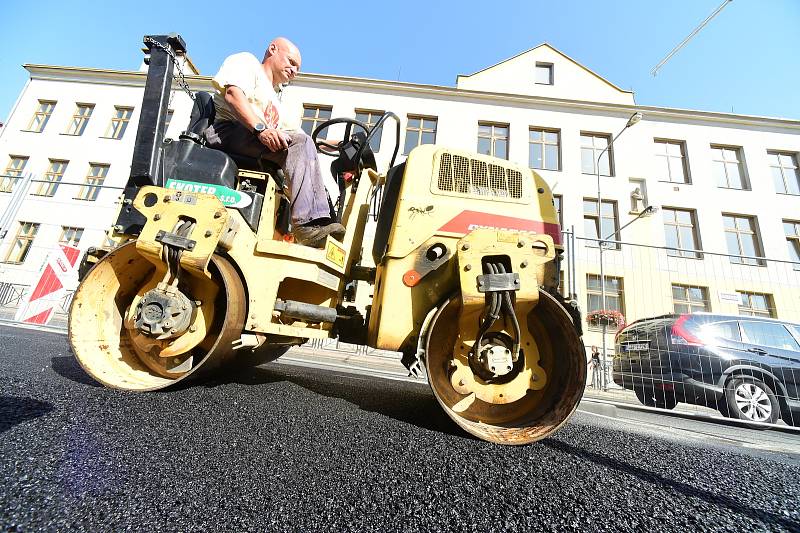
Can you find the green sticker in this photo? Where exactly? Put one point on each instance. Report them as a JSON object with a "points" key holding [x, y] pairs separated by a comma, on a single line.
{"points": [[226, 195]]}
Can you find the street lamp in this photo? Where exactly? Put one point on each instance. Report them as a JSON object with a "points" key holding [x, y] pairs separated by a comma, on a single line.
{"points": [[635, 118]]}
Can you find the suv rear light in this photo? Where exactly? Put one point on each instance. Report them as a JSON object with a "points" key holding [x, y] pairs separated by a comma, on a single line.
{"points": [[681, 335]]}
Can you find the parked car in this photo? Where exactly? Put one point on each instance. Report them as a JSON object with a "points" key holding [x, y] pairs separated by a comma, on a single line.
{"points": [[747, 367]]}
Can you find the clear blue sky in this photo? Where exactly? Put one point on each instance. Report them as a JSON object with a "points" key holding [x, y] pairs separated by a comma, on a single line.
{"points": [[745, 60]]}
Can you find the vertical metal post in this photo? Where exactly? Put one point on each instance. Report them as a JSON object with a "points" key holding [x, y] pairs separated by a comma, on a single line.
{"points": [[150, 132]]}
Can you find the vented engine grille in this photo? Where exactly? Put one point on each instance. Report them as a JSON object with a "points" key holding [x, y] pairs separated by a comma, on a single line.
{"points": [[469, 176]]}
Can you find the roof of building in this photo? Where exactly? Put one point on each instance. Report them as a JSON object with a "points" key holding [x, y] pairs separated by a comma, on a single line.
{"points": [[556, 50]]}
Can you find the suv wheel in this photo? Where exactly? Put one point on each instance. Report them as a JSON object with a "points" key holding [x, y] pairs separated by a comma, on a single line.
{"points": [[750, 399], [654, 398]]}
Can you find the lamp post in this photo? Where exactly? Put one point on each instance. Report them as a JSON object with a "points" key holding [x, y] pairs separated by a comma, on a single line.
{"points": [[635, 118]]}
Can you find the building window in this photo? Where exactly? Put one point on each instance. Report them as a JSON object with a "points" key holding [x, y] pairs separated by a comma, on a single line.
{"points": [[792, 230], [42, 114], [94, 180], [543, 149], [671, 161], [728, 168], [119, 122], [419, 130], [70, 235], [370, 118], [689, 299], [80, 118], [544, 73], [602, 227], [756, 304], [13, 172], [493, 139], [313, 116], [592, 145], [680, 231], [22, 243], [784, 172], [53, 176], [742, 239], [558, 200], [614, 294]]}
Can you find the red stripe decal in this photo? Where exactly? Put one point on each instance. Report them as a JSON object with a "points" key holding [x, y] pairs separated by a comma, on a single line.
{"points": [[41, 318], [467, 221], [71, 254], [48, 283]]}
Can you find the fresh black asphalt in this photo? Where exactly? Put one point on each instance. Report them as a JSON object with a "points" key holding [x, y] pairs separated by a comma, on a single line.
{"points": [[287, 448]]}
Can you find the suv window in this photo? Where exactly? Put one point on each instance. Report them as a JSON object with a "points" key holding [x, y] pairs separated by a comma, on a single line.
{"points": [[769, 334], [724, 330]]}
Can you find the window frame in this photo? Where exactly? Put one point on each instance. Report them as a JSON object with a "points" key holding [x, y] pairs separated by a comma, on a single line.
{"points": [[687, 179], [419, 131], [617, 294], [494, 138], [785, 179], [11, 175], [793, 240], [40, 113], [376, 115], [758, 244], [608, 153], [558, 205], [740, 162], [598, 224], [26, 239], [691, 305], [743, 308], [77, 124], [119, 125], [551, 73], [698, 245], [53, 178], [74, 230], [92, 184], [316, 120], [543, 143]]}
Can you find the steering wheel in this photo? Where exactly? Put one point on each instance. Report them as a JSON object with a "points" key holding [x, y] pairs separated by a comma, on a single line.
{"points": [[327, 148]]}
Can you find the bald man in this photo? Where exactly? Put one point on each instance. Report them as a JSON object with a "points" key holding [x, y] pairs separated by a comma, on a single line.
{"points": [[250, 121]]}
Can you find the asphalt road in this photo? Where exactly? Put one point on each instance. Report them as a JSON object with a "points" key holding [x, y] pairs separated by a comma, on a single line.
{"points": [[290, 448]]}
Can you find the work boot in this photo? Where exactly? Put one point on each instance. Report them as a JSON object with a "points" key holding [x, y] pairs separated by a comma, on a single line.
{"points": [[314, 235]]}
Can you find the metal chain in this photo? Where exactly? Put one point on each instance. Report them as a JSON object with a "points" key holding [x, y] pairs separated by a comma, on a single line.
{"points": [[181, 79]]}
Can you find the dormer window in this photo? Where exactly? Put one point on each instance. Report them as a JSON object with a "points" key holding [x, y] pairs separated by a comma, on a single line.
{"points": [[544, 73]]}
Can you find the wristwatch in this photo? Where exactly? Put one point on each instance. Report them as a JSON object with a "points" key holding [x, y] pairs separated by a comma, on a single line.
{"points": [[259, 127]]}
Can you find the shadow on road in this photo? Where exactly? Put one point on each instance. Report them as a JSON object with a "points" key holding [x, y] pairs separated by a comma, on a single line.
{"points": [[405, 402], [401, 401], [14, 410], [68, 367], [771, 519]]}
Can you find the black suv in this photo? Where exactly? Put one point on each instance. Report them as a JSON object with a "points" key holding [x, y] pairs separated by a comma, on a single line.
{"points": [[747, 367]]}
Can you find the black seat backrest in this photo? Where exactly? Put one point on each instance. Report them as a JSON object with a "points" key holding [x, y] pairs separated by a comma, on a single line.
{"points": [[391, 194], [203, 113]]}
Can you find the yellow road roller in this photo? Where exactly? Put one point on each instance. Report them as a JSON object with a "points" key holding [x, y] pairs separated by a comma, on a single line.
{"points": [[466, 254]]}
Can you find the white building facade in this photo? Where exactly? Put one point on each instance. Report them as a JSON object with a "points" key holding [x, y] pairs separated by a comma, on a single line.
{"points": [[724, 183]]}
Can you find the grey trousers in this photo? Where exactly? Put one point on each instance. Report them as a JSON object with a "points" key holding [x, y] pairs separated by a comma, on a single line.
{"points": [[299, 162]]}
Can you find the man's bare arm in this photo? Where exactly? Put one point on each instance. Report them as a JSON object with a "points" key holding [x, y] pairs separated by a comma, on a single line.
{"points": [[273, 139]]}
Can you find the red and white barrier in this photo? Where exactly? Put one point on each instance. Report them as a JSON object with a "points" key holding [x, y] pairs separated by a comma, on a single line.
{"points": [[59, 270]]}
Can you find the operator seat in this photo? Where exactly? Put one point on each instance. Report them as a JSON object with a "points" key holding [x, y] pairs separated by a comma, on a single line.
{"points": [[203, 114], [190, 159]]}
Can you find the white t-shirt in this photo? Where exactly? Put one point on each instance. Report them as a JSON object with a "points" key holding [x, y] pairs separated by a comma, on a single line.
{"points": [[247, 73]]}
